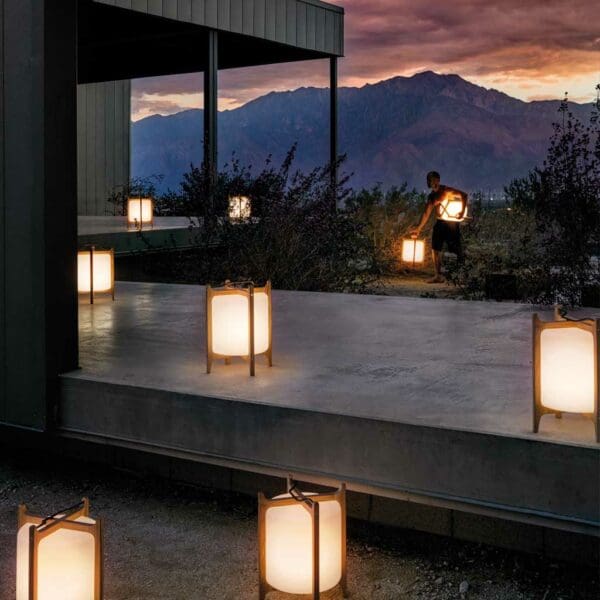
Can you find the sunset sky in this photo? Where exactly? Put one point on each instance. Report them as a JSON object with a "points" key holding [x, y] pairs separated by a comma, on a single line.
{"points": [[530, 49]]}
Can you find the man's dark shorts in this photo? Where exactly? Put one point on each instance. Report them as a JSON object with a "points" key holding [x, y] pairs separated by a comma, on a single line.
{"points": [[447, 232]]}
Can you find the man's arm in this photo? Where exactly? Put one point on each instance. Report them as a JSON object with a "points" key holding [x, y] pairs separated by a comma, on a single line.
{"points": [[424, 218]]}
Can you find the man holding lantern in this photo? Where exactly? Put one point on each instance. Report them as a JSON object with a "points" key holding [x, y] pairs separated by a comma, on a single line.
{"points": [[450, 205]]}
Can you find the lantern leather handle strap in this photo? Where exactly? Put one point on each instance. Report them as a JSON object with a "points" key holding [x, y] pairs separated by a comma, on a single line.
{"points": [[561, 314], [67, 512], [238, 284], [297, 495]]}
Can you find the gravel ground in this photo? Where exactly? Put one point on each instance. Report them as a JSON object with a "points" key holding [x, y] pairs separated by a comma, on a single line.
{"points": [[175, 542]]}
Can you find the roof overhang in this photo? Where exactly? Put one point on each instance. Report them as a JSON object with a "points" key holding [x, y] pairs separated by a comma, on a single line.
{"points": [[125, 39]]}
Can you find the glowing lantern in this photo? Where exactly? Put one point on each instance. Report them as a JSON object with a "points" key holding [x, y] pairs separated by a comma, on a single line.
{"points": [[140, 212], [453, 208], [96, 272], [302, 542], [238, 323], [413, 252], [239, 208], [565, 368], [59, 556]]}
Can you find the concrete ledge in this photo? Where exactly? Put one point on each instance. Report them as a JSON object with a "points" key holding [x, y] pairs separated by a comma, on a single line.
{"points": [[396, 515], [520, 477]]}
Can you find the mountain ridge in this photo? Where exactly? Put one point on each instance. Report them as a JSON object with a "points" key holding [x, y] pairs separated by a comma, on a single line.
{"points": [[391, 131]]}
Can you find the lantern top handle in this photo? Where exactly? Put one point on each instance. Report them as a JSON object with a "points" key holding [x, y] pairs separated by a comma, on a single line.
{"points": [[82, 507], [561, 314]]}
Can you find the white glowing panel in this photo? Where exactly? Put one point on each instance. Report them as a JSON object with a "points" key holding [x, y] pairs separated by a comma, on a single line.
{"points": [[103, 271], [413, 251], [139, 211], [239, 207], [65, 567], [450, 209], [231, 327], [288, 539], [567, 366]]}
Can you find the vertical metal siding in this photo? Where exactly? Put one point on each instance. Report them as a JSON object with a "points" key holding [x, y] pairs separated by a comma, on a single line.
{"points": [[248, 17], [236, 15], [290, 26], [170, 9], [295, 22], [198, 11], [103, 121], [259, 18], [212, 13], [184, 10], [224, 14], [301, 24], [271, 19]]}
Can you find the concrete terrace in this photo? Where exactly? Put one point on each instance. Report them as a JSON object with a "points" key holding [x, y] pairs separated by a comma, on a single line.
{"points": [[417, 396]]}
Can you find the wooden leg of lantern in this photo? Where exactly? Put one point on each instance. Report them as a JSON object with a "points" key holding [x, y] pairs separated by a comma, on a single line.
{"points": [[558, 415], [315, 544], [342, 501], [270, 299], [92, 275], [32, 562], [227, 360], [263, 587], [251, 355], [99, 560], [208, 329]]}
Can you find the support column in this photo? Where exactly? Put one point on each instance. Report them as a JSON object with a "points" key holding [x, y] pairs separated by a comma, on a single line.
{"points": [[333, 126], [38, 218], [210, 114]]}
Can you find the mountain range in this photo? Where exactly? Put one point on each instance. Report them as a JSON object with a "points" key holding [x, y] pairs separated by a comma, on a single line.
{"points": [[392, 132]]}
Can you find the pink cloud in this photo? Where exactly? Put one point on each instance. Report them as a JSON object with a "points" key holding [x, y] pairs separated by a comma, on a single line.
{"points": [[546, 46]]}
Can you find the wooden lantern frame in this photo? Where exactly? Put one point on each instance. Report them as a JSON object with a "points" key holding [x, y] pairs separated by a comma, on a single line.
{"points": [[93, 250], [138, 226], [42, 527], [442, 210], [413, 264], [248, 289], [591, 326], [311, 504]]}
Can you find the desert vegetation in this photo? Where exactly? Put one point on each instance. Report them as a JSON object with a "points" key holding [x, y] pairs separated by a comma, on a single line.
{"points": [[541, 244]]}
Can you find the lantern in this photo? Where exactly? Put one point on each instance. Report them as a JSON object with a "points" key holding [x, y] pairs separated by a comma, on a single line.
{"points": [[96, 272], [413, 252], [140, 212], [302, 542], [565, 368], [239, 208], [238, 323], [59, 556], [453, 208]]}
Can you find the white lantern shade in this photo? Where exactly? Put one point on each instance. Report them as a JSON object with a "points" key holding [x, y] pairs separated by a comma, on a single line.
{"points": [[413, 251], [103, 266], [567, 369], [65, 554], [452, 209], [239, 208], [231, 327], [140, 211], [288, 546]]}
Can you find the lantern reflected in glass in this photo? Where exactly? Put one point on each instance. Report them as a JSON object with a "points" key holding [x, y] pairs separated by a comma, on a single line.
{"points": [[565, 369], [140, 213], [240, 209], [302, 542], [96, 272], [453, 208], [413, 252], [238, 323], [59, 556]]}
